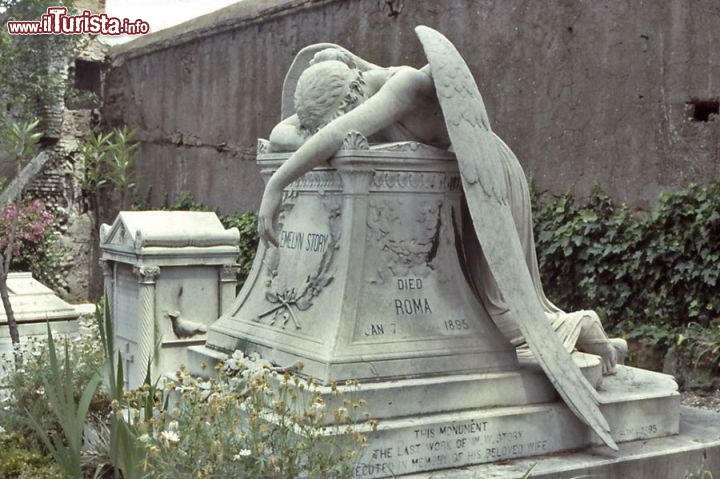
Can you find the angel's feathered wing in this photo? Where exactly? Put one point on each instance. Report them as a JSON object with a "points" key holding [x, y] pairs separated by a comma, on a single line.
{"points": [[485, 190]]}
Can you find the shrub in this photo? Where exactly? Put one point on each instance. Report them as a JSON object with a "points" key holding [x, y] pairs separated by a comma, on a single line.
{"points": [[36, 244], [250, 422], [651, 274]]}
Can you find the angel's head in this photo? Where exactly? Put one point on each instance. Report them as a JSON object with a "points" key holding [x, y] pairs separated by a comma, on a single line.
{"points": [[325, 91]]}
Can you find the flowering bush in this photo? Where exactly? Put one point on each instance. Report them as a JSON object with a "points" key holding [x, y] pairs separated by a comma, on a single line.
{"points": [[35, 244], [30, 221], [249, 421]]}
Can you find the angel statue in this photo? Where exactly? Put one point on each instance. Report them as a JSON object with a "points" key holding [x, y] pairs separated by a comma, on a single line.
{"points": [[440, 105]]}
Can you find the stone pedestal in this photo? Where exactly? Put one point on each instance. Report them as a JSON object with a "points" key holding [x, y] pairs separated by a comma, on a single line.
{"points": [[168, 275], [368, 284]]}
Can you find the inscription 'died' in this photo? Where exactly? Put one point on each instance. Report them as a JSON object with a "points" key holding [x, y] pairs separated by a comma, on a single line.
{"points": [[411, 306]]}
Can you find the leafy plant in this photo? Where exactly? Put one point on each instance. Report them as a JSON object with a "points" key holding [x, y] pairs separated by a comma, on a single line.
{"points": [[246, 223], [701, 473], [25, 384], [21, 459], [122, 153], [21, 138], [635, 270], [36, 246], [34, 66], [251, 421], [125, 450], [701, 345], [70, 413], [108, 162]]}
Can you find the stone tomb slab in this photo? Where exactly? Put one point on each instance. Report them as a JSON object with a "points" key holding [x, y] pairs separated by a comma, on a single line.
{"points": [[34, 305]]}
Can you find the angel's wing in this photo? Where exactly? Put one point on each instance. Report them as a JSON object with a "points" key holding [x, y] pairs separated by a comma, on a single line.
{"points": [[299, 65], [485, 190]]}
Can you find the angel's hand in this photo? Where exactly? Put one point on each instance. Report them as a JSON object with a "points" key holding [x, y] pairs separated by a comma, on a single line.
{"points": [[268, 214]]}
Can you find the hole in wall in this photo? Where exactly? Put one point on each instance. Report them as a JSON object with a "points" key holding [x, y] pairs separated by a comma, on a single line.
{"points": [[87, 76], [702, 110]]}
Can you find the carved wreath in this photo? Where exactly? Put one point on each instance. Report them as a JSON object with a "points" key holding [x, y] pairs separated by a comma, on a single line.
{"points": [[300, 298]]}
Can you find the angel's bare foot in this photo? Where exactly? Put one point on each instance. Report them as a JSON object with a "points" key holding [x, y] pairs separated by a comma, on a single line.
{"points": [[593, 340]]}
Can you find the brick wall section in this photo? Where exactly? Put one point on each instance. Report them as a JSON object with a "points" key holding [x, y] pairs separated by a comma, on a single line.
{"points": [[581, 91]]}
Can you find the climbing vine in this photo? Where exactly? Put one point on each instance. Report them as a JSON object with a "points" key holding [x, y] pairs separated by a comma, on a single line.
{"points": [[644, 274]]}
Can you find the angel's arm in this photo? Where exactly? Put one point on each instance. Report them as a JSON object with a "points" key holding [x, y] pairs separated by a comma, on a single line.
{"points": [[398, 96], [345, 56], [286, 135]]}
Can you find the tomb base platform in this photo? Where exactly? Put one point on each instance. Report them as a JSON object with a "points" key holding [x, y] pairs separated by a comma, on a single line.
{"points": [[695, 448], [638, 404], [455, 423]]}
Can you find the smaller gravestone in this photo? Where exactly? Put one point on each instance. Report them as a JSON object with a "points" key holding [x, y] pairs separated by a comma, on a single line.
{"points": [[168, 274], [35, 305]]}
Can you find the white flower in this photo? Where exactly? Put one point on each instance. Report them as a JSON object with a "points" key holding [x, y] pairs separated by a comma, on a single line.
{"points": [[170, 436], [144, 438], [241, 453]]}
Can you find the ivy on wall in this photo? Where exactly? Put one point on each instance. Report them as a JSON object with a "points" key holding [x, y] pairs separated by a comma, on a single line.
{"points": [[641, 273]]}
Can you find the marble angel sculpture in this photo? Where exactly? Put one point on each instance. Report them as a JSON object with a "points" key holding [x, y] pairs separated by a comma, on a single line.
{"points": [[440, 105]]}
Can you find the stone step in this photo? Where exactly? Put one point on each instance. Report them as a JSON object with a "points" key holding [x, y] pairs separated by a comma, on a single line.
{"points": [[638, 404], [697, 446]]}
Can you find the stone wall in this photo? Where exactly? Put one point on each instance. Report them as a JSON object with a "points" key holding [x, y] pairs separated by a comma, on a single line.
{"points": [[581, 91]]}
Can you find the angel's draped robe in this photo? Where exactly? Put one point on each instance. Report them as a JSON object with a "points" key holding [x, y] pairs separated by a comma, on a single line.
{"points": [[566, 325]]}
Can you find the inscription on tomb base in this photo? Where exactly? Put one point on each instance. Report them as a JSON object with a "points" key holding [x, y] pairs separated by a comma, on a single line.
{"points": [[451, 445]]}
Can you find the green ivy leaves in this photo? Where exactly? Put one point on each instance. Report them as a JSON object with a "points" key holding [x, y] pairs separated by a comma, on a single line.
{"points": [[635, 270]]}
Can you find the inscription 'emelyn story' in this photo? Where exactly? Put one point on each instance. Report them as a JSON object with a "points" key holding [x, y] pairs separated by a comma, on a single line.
{"points": [[301, 241]]}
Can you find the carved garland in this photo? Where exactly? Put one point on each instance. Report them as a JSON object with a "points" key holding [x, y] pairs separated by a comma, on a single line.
{"points": [[415, 180]]}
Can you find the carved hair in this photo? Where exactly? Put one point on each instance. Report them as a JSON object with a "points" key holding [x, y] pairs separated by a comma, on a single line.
{"points": [[325, 91]]}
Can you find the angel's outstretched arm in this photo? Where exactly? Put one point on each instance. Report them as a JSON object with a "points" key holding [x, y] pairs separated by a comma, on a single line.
{"points": [[397, 96]]}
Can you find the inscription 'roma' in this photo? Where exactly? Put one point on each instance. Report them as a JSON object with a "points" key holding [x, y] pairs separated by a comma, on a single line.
{"points": [[412, 307], [297, 240]]}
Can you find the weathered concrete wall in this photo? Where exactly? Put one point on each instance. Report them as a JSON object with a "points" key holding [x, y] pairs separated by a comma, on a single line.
{"points": [[581, 91]]}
